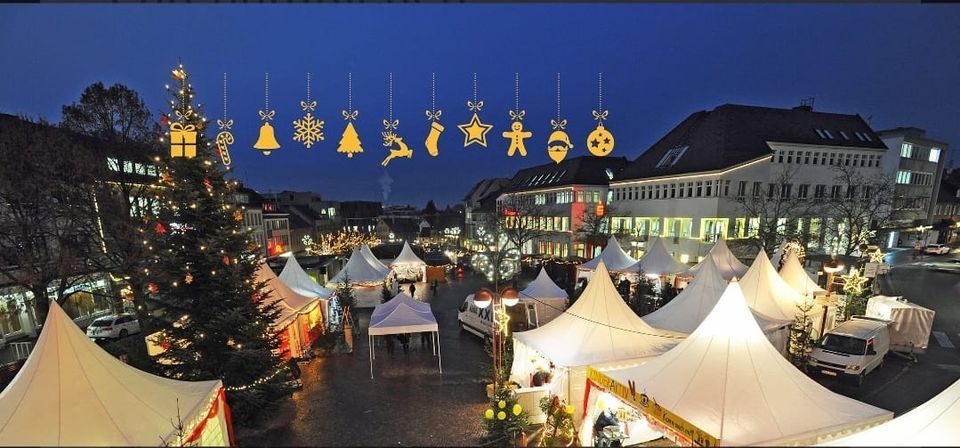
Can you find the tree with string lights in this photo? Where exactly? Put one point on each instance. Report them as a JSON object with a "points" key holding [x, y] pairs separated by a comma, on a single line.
{"points": [[200, 268]]}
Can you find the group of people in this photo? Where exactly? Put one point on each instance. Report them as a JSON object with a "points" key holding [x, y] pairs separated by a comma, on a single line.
{"points": [[404, 340]]}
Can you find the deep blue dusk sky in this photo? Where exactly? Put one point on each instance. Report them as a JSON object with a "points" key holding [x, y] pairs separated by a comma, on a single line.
{"points": [[899, 64]]}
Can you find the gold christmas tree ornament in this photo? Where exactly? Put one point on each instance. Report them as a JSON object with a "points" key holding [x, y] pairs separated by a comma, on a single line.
{"points": [[308, 129], [516, 134], [350, 140], [558, 144], [433, 137], [224, 137], [183, 137], [267, 141], [600, 142], [474, 131], [390, 138]]}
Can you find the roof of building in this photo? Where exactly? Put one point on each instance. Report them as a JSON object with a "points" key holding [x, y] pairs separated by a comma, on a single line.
{"points": [[486, 188], [583, 170], [732, 134]]}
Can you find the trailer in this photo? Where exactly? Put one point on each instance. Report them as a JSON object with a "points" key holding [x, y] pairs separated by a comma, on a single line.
{"points": [[910, 332]]}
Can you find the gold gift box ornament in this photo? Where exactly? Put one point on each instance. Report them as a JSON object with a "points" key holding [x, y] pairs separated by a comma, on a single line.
{"points": [[183, 140]]}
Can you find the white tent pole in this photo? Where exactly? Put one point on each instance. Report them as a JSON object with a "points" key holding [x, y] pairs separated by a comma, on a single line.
{"points": [[370, 346], [435, 343], [439, 357]]}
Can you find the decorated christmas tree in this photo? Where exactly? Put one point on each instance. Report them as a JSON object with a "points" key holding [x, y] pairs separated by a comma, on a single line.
{"points": [[216, 319]]}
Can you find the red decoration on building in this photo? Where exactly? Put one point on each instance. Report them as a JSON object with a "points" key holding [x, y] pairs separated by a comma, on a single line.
{"points": [[160, 229], [509, 212]]}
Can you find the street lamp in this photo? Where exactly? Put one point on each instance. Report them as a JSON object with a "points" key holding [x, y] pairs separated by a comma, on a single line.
{"points": [[831, 267], [507, 297]]}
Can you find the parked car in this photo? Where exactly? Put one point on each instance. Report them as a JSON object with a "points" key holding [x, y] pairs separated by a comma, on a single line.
{"points": [[936, 249], [852, 349], [113, 327], [479, 321]]}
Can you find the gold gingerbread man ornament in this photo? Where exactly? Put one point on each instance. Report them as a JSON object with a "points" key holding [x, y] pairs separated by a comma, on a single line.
{"points": [[517, 135]]}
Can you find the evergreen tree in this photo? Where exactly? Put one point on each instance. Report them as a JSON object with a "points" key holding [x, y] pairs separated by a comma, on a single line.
{"points": [[200, 268]]}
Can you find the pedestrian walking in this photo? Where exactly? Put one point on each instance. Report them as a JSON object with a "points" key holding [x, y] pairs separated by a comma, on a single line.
{"points": [[425, 339], [405, 341], [435, 286], [413, 290]]}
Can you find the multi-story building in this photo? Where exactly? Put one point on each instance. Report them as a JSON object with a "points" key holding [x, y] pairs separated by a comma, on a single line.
{"points": [[946, 215], [309, 206], [690, 186], [915, 163], [252, 205], [276, 226], [562, 196], [480, 205], [360, 216]]}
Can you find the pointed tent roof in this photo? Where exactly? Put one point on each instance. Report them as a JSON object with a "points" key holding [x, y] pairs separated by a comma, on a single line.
{"points": [[729, 381], [397, 300], [933, 423], [401, 317], [543, 287], [359, 270], [794, 275], [290, 303], [407, 257], [72, 392], [598, 328], [767, 293], [728, 264], [372, 260], [685, 312], [613, 257], [657, 261], [297, 279]]}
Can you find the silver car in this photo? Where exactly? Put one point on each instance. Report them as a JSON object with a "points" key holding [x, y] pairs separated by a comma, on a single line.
{"points": [[113, 327]]}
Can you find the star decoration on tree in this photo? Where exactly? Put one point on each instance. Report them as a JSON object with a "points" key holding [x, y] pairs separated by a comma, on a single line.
{"points": [[877, 256], [853, 283]]}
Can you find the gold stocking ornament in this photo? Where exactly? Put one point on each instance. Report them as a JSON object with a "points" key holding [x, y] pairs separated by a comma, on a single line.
{"points": [[433, 137]]}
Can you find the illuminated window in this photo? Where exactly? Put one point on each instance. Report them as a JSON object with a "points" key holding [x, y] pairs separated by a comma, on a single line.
{"points": [[113, 164], [934, 155]]}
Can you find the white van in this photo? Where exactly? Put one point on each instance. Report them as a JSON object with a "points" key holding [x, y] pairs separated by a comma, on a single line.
{"points": [[852, 349], [523, 317]]}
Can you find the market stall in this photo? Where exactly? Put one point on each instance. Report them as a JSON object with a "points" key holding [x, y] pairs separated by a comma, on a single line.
{"points": [[933, 423], [912, 323], [657, 262], [408, 266], [373, 260], [725, 261], [360, 272], [546, 298], [403, 314], [614, 258], [793, 273], [598, 329], [71, 392], [301, 318], [297, 279], [725, 384]]}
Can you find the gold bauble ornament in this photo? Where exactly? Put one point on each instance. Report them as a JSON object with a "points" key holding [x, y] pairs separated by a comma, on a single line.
{"points": [[600, 141]]}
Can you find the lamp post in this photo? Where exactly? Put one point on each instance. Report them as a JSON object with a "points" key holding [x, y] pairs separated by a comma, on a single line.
{"points": [[831, 267], [507, 297]]}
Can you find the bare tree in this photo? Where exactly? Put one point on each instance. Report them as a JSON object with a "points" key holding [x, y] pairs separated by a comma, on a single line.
{"points": [[864, 204], [520, 219], [775, 206], [46, 201], [594, 229]]}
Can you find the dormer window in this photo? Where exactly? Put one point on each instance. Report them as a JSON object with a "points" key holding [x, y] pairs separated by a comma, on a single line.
{"points": [[821, 134], [844, 135], [672, 157], [827, 132]]}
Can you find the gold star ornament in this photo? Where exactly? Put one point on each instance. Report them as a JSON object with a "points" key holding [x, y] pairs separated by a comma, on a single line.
{"points": [[475, 132]]}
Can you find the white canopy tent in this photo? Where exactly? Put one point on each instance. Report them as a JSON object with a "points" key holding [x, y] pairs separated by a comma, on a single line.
{"points": [[613, 257], [728, 264], [403, 314], [373, 260], [934, 423], [727, 385], [299, 315], [767, 293], [297, 279], [408, 265], [657, 261], [71, 392], [548, 299], [794, 275], [598, 329], [359, 270]]}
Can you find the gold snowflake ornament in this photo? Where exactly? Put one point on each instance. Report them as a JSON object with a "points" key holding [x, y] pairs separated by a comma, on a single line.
{"points": [[308, 129]]}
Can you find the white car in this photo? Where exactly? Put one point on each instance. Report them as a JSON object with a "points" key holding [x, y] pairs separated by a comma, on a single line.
{"points": [[936, 249], [113, 327]]}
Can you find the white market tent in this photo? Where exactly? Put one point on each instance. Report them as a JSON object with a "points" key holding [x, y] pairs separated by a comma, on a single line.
{"points": [[732, 387], [767, 293], [71, 392], [359, 270], [548, 299], [793, 273], [728, 264], [297, 279], [598, 329], [372, 259], [408, 265], [403, 314], [299, 315], [912, 323], [933, 423], [657, 261], [615, 259]]}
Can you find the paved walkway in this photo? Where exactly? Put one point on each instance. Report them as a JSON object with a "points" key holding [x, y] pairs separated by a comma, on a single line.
{"points": [[408, 403]]}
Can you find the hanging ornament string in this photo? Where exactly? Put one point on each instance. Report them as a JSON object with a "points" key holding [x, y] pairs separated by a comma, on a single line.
{"points": [[390, 137], [267, 141], [559, 142], [474, 131], [600, 142], [308, 129], [433, 115], [516, 134], [350, 141], [558, 123], [600, 114], [224, 137]]}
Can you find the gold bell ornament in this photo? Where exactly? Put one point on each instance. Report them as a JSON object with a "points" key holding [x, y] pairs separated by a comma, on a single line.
{"points": [[267, 141]]}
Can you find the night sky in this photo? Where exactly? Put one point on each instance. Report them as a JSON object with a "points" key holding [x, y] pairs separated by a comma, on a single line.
{"points": [[899, 64]]}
